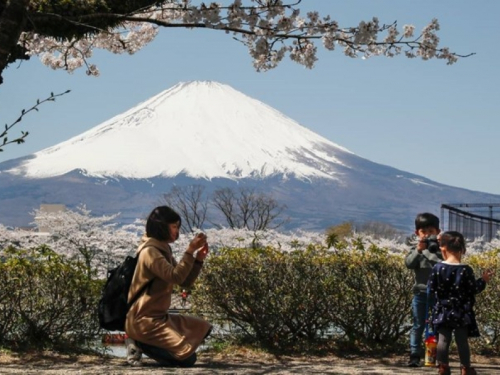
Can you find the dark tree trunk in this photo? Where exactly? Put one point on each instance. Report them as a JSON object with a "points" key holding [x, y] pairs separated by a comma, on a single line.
{"points": [[12, 20]]}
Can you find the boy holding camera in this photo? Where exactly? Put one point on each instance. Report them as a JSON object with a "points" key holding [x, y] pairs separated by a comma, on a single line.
{"points": [[422, 259]]}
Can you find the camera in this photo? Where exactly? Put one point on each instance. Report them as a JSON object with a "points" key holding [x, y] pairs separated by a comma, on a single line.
{"points": [[432, 243]]}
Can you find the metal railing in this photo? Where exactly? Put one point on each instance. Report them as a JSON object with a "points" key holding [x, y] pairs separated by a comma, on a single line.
{"points": [[472, 219]]}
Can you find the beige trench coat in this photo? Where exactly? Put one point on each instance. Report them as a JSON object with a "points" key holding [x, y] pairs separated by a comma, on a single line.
{"points": [[148, 320]]}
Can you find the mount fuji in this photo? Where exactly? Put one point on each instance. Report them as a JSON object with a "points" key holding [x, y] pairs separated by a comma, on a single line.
{"points": [[200, 129], [207, 133]]}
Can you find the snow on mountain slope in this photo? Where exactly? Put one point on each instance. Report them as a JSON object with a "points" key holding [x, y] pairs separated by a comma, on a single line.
{"points": [[200, 129]]}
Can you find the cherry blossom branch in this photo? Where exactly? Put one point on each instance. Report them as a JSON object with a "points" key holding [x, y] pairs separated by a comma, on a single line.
{"points": [[270, 30]]}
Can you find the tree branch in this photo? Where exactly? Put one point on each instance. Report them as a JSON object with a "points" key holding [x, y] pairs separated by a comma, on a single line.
{"points": [[64, 36], [24, 112]]}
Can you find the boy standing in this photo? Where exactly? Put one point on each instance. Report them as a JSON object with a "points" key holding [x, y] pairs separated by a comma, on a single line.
{"points": [[422, 259]]}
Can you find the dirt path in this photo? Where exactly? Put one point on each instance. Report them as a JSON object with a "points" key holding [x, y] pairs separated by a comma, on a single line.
{"points": [[234, 364]]}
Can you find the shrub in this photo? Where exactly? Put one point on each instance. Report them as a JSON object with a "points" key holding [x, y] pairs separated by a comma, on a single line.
{"points": [[278, 299], [487, 302], [372, 296], [335, 234], [290, 301], [47, 301]]}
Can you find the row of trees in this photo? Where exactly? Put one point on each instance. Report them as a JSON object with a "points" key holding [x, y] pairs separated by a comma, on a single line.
{"points": [[97, 241], [100, 243], [243, 208], [247, 208]]}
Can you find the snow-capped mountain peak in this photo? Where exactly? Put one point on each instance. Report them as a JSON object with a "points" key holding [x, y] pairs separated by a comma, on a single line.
{"points": [[201, 129]]}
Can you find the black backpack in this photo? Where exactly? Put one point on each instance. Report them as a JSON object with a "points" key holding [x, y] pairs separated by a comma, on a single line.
{"points": [[113, 306]]}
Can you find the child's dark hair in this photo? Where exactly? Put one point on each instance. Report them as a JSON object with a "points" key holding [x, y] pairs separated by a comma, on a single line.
{"points": [[158, 220], [426, 220], [454, 241]]}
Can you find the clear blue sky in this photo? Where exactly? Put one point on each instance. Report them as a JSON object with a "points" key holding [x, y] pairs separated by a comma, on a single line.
{"points": [[434, 120]]}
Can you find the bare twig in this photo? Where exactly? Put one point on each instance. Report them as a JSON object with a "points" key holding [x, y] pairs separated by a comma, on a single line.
{"points": [[24, 112]]}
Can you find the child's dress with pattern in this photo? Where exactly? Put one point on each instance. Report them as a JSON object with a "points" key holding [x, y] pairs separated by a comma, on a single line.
{"points": [[454, 287]]}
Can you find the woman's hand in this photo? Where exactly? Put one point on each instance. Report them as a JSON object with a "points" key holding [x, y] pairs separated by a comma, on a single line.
{"points": [[202, 253], [198, 241]]}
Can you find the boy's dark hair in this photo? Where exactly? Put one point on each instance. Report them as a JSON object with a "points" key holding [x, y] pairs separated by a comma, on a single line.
{"points": [[454, 241], [426, 220], [158, 220]]}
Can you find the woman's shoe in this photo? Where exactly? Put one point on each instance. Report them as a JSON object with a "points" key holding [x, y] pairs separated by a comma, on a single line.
{"points": [[134, 354]]}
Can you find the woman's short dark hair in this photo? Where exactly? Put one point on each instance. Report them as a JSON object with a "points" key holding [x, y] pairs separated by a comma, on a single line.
{"points": [[454, 241], [157, 225]]}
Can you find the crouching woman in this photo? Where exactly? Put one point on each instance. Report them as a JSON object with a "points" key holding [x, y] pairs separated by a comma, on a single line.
{"points": [[170, 339]]}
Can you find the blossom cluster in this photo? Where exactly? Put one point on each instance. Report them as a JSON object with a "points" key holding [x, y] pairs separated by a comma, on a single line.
{"points": [[102, 244], [95, 240], [270, 30]]}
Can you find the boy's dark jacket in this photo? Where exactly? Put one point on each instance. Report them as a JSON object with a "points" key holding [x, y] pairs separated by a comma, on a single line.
{"points": [[422, 265]]}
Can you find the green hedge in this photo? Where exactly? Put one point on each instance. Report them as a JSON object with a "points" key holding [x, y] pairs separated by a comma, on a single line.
{"points": [[46, 301], [268, 295], [355, 298], [487, 303], [372, 297], [307, 298]]}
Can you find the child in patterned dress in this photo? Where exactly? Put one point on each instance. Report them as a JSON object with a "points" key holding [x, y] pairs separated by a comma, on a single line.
{"points": [[454, 286]]}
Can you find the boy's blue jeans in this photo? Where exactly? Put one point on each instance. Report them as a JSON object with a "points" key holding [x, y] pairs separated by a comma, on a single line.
{"points": [[419, 305]]}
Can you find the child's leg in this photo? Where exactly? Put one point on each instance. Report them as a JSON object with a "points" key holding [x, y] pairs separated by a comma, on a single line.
{"points": [[462, 340], [419, 305], [443, 345]]}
